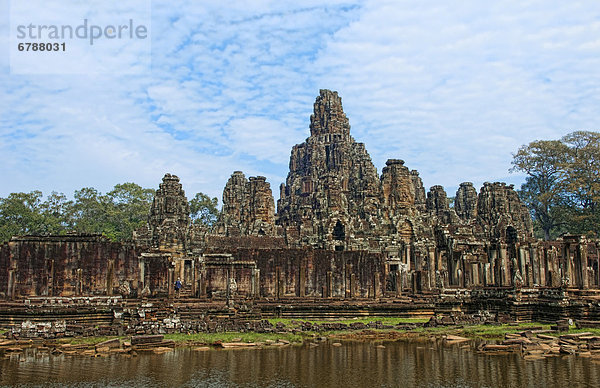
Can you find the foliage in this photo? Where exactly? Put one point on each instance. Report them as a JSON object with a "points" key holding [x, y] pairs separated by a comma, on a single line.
{"points": [[21, 214], [126, 209], [543, 191], [115, 214], [562, 188], [583, 181], [203, 210]]}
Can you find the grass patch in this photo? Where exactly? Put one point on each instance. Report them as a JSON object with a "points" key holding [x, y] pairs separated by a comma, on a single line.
{"points": [[482, 331], [291, 323], [497, 331], [488, 332], [209, 338], [201, 338]]}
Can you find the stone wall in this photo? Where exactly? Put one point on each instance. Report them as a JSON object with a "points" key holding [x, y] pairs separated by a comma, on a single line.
{"points": [[307, 272], [67, 266], [91, 265]]}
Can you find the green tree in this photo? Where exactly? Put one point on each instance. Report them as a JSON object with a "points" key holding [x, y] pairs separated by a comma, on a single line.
{"points": [[89, 212], [20, 214], [126, 209], [545, 163], [57, 213], [203, 210], [115, 214], [583, 181]]}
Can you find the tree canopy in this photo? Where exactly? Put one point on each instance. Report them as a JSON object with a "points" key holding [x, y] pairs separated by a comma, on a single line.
{"points": [[115, 214], [562, 187], [203, 210]]}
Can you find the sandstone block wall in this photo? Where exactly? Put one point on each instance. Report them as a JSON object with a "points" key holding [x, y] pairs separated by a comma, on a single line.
{"points": [[66, 266], [340, 230]]}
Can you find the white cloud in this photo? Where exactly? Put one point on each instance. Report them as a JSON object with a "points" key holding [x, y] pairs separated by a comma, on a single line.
{"points": [[452, 89], [261, 138], [456, 88]]}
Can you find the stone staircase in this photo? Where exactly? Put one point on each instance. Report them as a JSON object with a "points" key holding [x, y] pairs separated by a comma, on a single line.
{"points": [[185, 292]]}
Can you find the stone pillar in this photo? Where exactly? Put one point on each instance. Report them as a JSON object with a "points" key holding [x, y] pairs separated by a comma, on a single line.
{"points": [[50, 282], [109, 277], [181, 270], [348, 281], [255, 283], [557, 267], [376, 285], [567, 262], [504, 267], [544, 267], [79, 290], [203, 282], [439, 264], [194, 278], [451, 268], [487, 269], [142, 281], [535, 265], [302, 281], [278, 282], [170, 282], [432, 267], [527, 267], [329, 285], [492, 259], [582, 261], [475, 275], [228, 274], [463, 268], [11, 284], [522, 265]]}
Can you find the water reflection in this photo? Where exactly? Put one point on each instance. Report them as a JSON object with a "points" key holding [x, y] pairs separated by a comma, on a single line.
{"points": [[399, 364]]}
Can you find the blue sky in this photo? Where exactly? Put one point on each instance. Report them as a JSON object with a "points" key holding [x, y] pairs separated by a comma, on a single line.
{"points": [[453, 89]]}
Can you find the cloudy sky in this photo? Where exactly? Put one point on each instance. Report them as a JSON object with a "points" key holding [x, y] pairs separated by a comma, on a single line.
{"points": [[453, 88]]}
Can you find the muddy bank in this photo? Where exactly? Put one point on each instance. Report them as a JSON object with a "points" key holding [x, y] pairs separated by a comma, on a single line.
{"points": [[530, 340]]}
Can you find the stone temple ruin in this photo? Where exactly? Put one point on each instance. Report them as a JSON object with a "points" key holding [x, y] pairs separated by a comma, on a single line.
{"points": [[340, 231]]}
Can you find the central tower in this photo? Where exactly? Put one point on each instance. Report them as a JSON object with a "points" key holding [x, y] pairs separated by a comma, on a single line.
{"points": [[332, 192], [329, 116]]}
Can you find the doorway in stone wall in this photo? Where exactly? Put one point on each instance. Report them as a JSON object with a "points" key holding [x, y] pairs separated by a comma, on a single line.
{"points": [[339, 231], [511, 235], [339, 235]]}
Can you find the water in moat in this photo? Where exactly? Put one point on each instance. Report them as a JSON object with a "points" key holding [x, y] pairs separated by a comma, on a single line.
{"points": [[354, 364]]}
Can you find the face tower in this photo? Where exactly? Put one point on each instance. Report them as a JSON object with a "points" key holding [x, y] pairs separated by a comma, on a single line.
{"points": [[332, 191]]}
